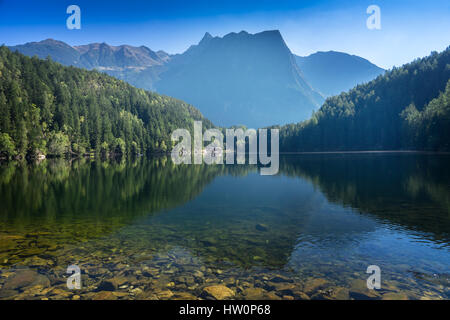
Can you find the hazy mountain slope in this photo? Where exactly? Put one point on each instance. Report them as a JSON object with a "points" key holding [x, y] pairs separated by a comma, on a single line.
{"points": [[241, 79], [59, 51], [406, 108], [140, 66], [237, 79], [334, 72], [103, 55], [94, 55]]}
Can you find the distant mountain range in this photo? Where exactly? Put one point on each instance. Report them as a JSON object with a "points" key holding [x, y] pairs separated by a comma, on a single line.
{"points": [[334, 72], [95, 55], [241, 78]]}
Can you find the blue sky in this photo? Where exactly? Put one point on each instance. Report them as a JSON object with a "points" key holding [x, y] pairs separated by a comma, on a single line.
{"points": [[409, 28]]}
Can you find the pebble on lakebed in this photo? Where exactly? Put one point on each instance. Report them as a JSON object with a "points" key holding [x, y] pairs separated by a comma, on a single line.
{"points": [[219, 292]]}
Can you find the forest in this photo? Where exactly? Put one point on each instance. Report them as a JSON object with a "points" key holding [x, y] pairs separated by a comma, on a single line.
{"points": [[51, 110], [407, 108]]}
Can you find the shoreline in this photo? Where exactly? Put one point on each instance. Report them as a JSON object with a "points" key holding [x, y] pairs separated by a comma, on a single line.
{"points": [[367, 151]]}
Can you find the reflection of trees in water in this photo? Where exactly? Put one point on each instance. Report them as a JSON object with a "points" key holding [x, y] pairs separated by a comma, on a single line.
{"points": [[410, 190], [59, 189], [84, 193]]}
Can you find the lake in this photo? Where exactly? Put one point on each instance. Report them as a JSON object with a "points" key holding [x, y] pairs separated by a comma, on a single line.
{"points": [[149, 229]]}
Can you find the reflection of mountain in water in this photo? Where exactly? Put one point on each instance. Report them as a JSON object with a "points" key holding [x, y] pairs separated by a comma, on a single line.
{"points": [[260, 220], [256, 221], [241, 217]]}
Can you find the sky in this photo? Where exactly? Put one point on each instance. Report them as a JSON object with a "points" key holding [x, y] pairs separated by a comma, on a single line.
{"points": [[409, 28]]}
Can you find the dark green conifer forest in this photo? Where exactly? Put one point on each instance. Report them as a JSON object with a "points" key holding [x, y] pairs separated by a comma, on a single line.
{"points": [[406, 108], [49, 109]]}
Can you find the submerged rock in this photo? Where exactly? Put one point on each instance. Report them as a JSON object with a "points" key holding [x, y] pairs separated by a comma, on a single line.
{"points": [[358, 290], [314, 284], [165, 294], [279, 278], [285, 288], [394, 296], [25, 278], [114, 283], [59, 293], [301, 295], [219, 292], [261, 227], [104, 295], [340, 293], [256, 294], [184, 296], [8, 293], [107, 285]]}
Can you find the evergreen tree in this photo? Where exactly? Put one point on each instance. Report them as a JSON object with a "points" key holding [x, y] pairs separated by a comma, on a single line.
{"points": [[47, 108], [406, 108]]}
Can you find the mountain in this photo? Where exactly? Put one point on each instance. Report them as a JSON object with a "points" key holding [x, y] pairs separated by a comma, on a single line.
{"points": [[94, 55], [139, 66], [333, 72], [238, 79], [103, 55], [406, 108], [241, 78], [47, 108], [59, 51]]}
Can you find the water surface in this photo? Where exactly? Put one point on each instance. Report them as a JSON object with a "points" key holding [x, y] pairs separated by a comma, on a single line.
{"points": [[148, 229]]}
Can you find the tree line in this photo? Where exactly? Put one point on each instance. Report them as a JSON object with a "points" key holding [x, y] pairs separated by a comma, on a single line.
{"points": [[405, 108], [49, 109]]}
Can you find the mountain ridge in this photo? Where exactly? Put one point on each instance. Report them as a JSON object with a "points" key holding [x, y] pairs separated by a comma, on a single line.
{"points": [[93, 55], [407, 108], [51, 109], [249, 77], [268, 82], [333, 72]]}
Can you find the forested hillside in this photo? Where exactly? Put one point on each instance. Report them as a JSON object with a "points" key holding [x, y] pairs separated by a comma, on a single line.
{"points": [[46, 108], [406, 108]]}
